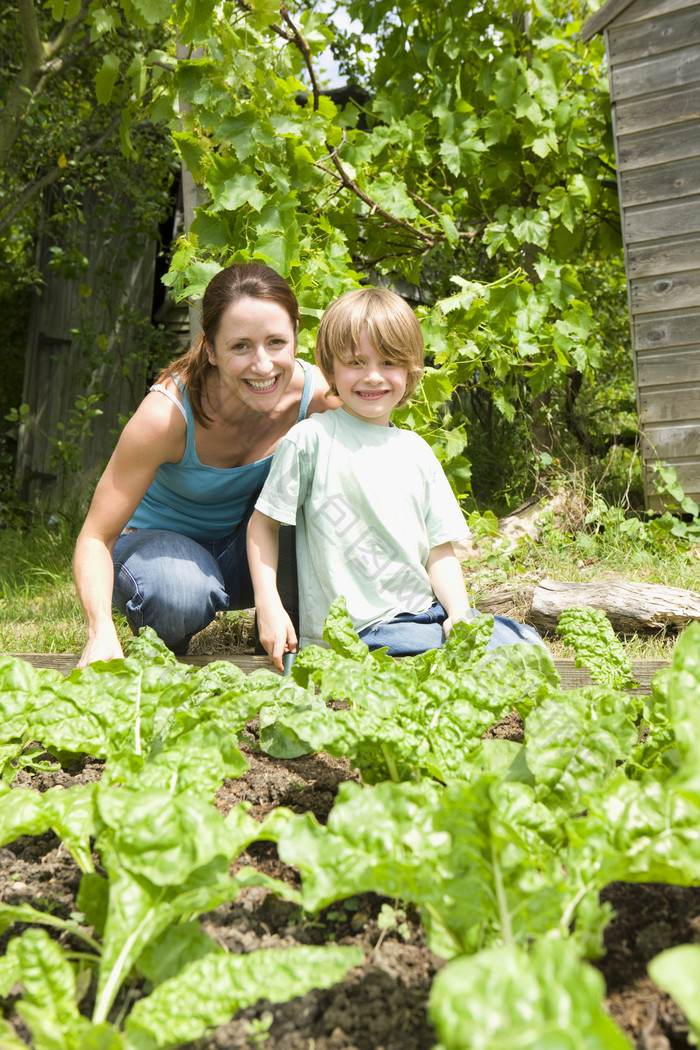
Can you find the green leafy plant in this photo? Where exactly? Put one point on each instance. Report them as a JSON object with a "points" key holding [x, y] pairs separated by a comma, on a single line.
{"points": [[165, 852], [677, 971], [420, 715], [507, 996], [596, 646], [503, 847]]}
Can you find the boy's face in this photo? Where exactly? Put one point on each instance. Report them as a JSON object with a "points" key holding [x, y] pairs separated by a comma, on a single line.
{"points": [[369, 386]]}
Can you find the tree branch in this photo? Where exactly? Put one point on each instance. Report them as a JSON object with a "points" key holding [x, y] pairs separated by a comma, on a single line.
{"points": [[29, 27], [58, 44], [303, 45], [429, 240], [42, 59]]}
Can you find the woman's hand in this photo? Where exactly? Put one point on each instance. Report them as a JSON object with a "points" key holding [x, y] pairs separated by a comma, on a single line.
{"points": [[101, 647], [275, 631]]}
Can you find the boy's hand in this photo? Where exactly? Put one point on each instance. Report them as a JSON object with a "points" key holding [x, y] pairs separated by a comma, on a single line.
{"points": [[449, 623], [276, 632]]}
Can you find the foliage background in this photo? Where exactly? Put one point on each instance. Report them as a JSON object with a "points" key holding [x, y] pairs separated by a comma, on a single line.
{"points": [[468, 163]]}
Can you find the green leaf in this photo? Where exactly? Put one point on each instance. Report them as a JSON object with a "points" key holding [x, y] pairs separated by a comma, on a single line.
{"points": [[340, 635], [106, 78], [677, 971], [683, 686], [596, 646], [478, 858], [49, 1004], [209, 990], [508, 997], [154, 11], [70, 813], [198, 275], [231, 189]]}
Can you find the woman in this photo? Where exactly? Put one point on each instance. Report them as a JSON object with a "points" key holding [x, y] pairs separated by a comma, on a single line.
{"points": [[164, 538]]}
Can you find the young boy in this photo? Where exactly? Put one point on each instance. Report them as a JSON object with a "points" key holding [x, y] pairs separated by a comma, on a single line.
{"points": [[375, 515]]}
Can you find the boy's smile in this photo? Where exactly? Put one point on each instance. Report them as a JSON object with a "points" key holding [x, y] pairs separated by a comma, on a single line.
{"points": [[369, 385]]}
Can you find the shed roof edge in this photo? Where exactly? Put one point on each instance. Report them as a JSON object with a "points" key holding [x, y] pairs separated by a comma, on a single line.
{"points": [[598, 21]]}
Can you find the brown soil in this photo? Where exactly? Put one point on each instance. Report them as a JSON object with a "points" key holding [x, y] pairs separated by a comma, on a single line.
{"points": [[382, 1004]]}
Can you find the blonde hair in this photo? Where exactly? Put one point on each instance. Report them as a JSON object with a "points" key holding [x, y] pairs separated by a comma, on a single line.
{"points": [[390, 323]]}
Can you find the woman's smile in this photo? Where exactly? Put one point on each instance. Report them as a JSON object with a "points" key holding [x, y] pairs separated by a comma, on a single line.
{"points": [[253, 352]]}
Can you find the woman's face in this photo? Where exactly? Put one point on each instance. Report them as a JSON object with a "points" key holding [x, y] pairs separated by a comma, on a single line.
{"points": [[254, 351]]}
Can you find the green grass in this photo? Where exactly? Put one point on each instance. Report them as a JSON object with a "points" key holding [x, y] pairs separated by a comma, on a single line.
{"points": [[39, 609], [595, 546]]}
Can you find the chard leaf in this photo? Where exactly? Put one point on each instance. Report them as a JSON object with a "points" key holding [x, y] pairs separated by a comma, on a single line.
{"points": [[70, 813], [340, 634], [8, 769], [10, 971], [208, 991], [400, 721], [596, 646], [194, 760], [176, 947], [505, 997], [311, 661], [575, 741], [639, 832], [677, 971], [102, 712], [49, 1004], [480, 859], [92, 900], [25, 913], [285, 725], [166, 857], [466, 644], [378, 747], [20, 686], [160, 836], [683, 684], [223, 695]]}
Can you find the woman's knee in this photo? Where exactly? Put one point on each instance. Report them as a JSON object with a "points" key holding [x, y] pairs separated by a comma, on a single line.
{"points": [[175, 587]]}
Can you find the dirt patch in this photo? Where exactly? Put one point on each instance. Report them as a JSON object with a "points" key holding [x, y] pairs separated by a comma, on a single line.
{"points": [[380, 1005]]}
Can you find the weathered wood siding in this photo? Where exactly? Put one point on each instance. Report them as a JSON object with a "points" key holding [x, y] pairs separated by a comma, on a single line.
{"points": [[653, 49], [81, 341]]}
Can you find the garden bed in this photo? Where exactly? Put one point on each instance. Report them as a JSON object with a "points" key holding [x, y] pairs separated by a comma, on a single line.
{"points": [[382, 1003]]}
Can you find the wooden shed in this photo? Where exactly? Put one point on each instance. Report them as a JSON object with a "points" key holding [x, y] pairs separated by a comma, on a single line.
{"points": [[86, 335], [653, 52]]}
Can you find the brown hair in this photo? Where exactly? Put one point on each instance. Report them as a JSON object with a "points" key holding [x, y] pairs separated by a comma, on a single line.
{"points": [[239, 281], [391, 325]]}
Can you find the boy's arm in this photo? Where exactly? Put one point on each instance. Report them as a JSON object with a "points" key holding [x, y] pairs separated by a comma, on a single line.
{"points": [[447, 582], [275, 629]]}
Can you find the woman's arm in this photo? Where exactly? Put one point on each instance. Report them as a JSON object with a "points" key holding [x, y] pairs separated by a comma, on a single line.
{"points": [[275, 628], [447, 582], [155, 434]]}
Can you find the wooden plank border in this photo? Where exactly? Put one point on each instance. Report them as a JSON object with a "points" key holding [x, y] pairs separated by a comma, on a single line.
{"points": [[572, 677]]}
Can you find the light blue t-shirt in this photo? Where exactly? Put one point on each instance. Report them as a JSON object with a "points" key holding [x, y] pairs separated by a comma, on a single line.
{"points": [[369, 503], [203, 502]]}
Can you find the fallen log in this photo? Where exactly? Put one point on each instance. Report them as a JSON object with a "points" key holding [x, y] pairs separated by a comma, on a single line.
{"points": [[630, 607]]}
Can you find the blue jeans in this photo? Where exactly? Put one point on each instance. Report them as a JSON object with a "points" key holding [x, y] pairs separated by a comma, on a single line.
{"points": [[409, 634], [176, 585]]}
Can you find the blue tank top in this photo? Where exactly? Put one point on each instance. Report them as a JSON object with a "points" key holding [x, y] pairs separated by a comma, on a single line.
{"points": [[205, 502]]}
